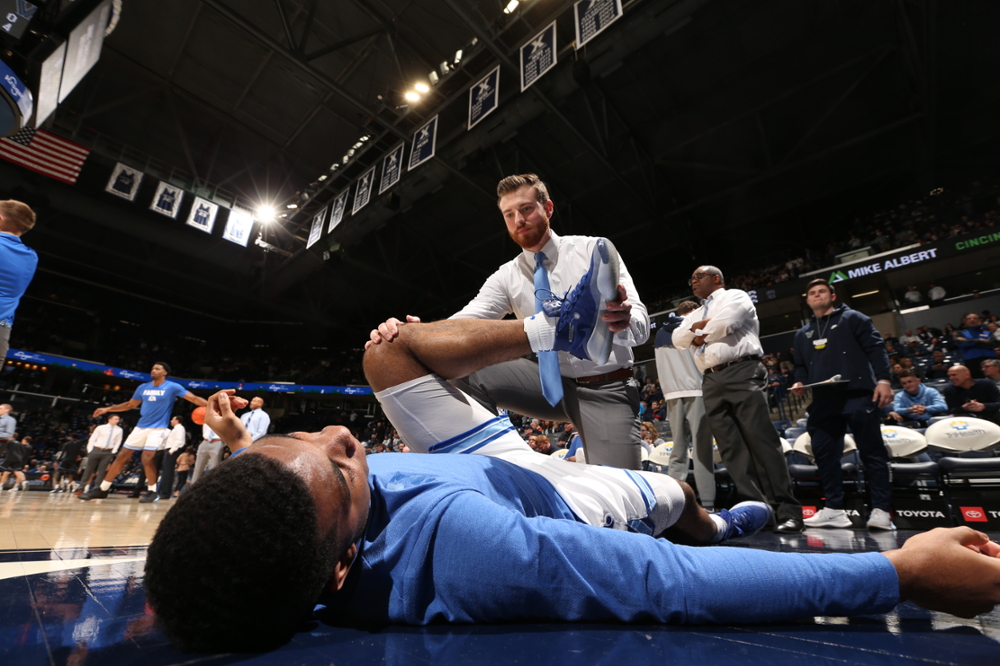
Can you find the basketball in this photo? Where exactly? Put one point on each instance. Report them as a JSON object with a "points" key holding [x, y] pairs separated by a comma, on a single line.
{"points": [[45, 477], [198, 415]]}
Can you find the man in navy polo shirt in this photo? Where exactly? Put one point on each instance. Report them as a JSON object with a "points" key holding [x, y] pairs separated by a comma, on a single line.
{"points": [[156, 398], [17, 264]]}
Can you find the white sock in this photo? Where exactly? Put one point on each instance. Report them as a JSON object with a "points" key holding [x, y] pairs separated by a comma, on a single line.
{"points": [[105, 485], [151, 487], [541, 331], [720, 527]]}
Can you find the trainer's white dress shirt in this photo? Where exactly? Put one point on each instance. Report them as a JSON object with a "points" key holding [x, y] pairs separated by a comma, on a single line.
{"points": [[107, 437], [175, 439], [511, 289], [256, 422], [732, 332]]}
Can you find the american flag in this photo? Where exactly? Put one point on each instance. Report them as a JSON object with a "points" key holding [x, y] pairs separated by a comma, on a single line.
{"points": [[44, 153]]}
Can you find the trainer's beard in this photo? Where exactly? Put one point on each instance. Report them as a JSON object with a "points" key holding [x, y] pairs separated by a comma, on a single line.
{"points": [[531, 239]]}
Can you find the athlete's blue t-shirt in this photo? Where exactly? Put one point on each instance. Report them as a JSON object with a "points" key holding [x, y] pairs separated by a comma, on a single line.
{"points": [[466, 538], [157, 403], [18, 262]]}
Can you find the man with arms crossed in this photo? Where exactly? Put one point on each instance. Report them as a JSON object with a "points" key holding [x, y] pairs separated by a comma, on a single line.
{"points": [[723, 333], [418, 539], [156, 398], [599, 397], [841, 341]]}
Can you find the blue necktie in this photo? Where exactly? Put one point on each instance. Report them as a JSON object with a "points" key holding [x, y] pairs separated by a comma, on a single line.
{"points": [[548, 361]]}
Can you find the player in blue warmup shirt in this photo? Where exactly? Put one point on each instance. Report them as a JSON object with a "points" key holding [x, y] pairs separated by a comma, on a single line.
{"points": [[510, 535], [155, 400]]}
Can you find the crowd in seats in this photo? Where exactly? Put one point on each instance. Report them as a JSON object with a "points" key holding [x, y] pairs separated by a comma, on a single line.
{"points": [[942, 214]]}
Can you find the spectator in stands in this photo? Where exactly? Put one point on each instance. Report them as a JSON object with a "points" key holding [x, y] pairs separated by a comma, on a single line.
{"points": [[994, 330], [936, 294], [908, 366], [542, 444], [971, 397], [975, 342], [185, 461], [916, 403], [991, 370], [939, 369], [893, 350], [913, 296], [908, 337]]}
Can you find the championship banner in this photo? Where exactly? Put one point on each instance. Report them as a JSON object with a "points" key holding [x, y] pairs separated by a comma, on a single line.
{"points": [[337, 209], [538, 56], [124, 182], [238, 226], [484, 97], [424, 143], [317, 228], [392, 168], [364, 191], [591, 17], [167, 200], [202, 215]]}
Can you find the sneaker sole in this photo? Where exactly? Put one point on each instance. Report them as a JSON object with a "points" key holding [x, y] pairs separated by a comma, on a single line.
{"points": [[603, 289], [846, 522]]}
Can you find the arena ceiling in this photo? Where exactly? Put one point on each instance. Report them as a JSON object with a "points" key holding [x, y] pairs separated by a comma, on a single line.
{"points": [[690, 131]]}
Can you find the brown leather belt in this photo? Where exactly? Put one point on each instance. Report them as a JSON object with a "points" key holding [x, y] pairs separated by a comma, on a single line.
{"points": [[624, 373], [722, 366]]}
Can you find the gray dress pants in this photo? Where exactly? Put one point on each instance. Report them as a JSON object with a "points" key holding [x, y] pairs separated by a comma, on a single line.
{"points": [[606, 414], [209, 455], [749, 444], [689, 424], [97, 460]]}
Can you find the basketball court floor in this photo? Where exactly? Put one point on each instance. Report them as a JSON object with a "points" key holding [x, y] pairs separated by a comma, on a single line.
{"points": [[71, 592]]}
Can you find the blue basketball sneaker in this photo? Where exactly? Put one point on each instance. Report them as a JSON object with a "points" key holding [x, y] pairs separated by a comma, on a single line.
{"points": [[580, 329], [745, 518]]}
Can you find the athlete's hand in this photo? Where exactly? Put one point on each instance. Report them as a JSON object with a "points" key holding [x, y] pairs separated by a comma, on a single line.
{"points": [[618, 313], [221, 418], [797, 388], [100, 411], [389, 329], [954, 570]]}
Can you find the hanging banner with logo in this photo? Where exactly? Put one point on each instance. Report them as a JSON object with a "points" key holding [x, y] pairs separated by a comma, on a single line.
{"points": [[202, 215], [238, 226], [538, 56], [484, 97], [392, 168], [337, 209], [591, 17], [124, 182], [167, 200], [317, 228], [364, 191], [424, 143]]}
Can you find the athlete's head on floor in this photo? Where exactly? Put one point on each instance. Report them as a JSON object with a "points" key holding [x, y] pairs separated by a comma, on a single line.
{"points": [[262, 536]]}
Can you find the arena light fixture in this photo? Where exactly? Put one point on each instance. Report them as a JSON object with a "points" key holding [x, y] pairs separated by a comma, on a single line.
{"points": [[411, 96], [322, 178], [511, 6], [433, 77], [265, 213], [422, 88], [292, 206]]}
